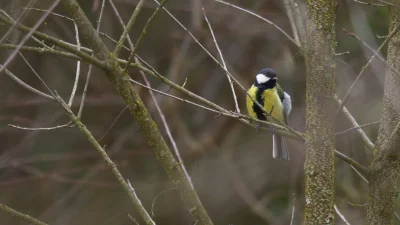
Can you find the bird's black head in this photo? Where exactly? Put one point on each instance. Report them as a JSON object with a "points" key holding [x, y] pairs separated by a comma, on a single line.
{"points": [[266, 78]]}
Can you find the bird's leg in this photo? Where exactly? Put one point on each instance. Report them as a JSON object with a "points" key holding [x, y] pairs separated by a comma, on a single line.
{"points": [[257, 126], [272, 129]]}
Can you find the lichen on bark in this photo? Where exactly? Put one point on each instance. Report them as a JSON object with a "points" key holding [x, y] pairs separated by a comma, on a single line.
{"points": [[384, 171], [320, 168]]}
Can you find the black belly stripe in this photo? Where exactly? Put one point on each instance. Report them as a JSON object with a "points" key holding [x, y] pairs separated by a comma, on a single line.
{"points": [[260, 100]]}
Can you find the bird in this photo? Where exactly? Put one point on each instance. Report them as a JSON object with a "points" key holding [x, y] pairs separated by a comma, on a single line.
{"points": [[275, 101]]}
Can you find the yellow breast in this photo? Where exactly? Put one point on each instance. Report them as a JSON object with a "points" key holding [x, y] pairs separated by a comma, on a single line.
{"points": [[272, 103]]}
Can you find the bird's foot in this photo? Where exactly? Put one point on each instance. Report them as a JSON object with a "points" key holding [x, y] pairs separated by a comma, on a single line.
{"points": [[272, 129]]}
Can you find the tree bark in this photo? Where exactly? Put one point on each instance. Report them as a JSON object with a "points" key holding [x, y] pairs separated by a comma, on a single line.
{"points": [[384, 172], [320, 137]]}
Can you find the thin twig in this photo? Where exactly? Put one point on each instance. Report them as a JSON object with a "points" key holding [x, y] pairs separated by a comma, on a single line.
{"points": [[20, 215], [42, 51], [369, 3], [128, 27], [40, 128], [89, 73], [359, 174], [289, 11], [107, 159], [28, 87], [133, 220], [223, 62], [367, 142], [147, 218], [52, 13], [167, 130], [78, 67], [351, 34], [342, 53], [341, 215], [121, 21], [155, 198], [34, 72], [360, 75], [293, 209], [28, 35], [351, 162], [358, 127], [144, 31], [112, 124], [62, 44], [18, 20], [262, 18], [180, 99]]}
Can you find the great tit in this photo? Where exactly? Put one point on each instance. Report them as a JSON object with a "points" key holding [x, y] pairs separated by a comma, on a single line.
{"points": [[277, 103]]}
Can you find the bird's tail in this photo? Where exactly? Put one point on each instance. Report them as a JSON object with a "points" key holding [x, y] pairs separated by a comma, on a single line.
{"points": [[279, 147]]}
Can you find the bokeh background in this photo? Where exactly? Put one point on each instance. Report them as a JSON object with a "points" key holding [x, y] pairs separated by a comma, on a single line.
{"points": [[58, 177]]}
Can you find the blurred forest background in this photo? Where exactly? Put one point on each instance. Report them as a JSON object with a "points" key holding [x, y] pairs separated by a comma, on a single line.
{"points": [[56, 176]]}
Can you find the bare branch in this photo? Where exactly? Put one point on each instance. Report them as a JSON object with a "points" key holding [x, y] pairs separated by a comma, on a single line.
{"points": [[148, 220], [20, 17], [368, 143], [360, 75], [28, 35], [20, 215], [27, 87], [369, 3], [223, 63], [106, 158], [262, 18], [112, 124], [128, 27], [154, 200], [293, 209], [341, 215], [358, 127], [144, 31], [78, 67], [89, 73], [40, 128]]}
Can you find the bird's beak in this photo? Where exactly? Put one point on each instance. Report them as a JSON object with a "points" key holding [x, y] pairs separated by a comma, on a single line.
{"points": [[275, 78]]}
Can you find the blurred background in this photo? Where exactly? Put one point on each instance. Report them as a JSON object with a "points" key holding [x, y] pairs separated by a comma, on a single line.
{"points": [[56, 176]]}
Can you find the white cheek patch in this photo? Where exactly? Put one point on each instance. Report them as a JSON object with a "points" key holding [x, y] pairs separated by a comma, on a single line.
{"points": [[261, 78]]}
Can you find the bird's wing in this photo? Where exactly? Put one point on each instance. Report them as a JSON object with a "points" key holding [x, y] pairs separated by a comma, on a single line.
{"points": [[286, 101], [287, 105]]}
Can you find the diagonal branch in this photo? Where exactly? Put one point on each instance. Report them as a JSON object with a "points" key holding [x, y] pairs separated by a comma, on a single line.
{"points": [[120, 79], [144, 31], [20, 215], [223, 62], [128, 27], [28, 35], [360, 75], [132, 195]]}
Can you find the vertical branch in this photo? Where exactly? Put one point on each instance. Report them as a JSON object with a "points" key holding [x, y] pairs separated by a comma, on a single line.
{"points": [[89, 73], [385, 167], [320, 136], [78, 67]]}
